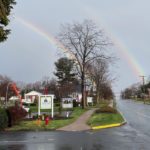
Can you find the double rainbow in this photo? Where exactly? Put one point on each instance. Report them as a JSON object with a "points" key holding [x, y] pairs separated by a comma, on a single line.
{"points": [[49, 37], [135, 67]]}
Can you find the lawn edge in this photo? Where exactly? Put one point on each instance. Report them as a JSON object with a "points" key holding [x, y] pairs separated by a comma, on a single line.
{"points": [[111, 125], [42, 129]]}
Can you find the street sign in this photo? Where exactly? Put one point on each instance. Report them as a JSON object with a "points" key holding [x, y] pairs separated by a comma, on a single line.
{"points": [[89, 100], [46, 102]]}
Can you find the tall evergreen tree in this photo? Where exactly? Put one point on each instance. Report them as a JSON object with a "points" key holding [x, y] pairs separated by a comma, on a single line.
{"points": [[64, 70], [5, 9], [66, 76]]}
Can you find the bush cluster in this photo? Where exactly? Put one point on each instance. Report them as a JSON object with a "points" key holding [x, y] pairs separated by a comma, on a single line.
{"points": [[57, 104], [106, 109], [32, 104], [15, 114], [3, 119], [75, 103], [42, 117]]}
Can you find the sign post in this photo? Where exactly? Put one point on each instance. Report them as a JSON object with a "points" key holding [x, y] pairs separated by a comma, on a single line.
{"points": [[46, 102], [90, 100]]}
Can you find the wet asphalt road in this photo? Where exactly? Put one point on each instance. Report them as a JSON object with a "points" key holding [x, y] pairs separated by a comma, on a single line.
{"points": [[133, 136]]}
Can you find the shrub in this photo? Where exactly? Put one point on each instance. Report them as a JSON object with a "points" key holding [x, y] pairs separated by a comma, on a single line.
{"points": [[15, 114], [25, 104], [106, 109], [3, 119], [75, 103], [32, 104], [35, 117], [57, 104]]}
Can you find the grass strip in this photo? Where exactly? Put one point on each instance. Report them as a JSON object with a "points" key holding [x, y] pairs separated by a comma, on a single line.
{"points": [[53, 124], [105, 119]]}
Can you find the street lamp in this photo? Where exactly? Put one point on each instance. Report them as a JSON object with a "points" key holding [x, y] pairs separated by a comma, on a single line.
{"points": [[7, 93]]}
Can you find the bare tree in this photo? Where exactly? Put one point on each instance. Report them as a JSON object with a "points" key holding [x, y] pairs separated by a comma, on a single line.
{"points": [[86, 43], [100, 75], [4, 81], [132, 92], [6, 88]]}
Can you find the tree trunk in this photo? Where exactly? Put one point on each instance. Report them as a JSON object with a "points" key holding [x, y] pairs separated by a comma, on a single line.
{"points": [[83, 89], [97, 94], [97, 98]]}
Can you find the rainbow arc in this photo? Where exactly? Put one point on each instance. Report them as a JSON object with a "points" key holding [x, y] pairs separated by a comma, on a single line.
{"points": [[124, 52]]}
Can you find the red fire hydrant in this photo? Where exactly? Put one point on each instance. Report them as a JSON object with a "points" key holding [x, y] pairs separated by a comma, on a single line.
{"points": [[46, 120]]}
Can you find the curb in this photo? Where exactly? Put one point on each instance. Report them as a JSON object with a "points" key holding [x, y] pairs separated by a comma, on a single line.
{"points": [[111, 125]]}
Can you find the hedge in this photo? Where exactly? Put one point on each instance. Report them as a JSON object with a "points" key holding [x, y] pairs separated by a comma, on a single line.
{"points": [[3, 119], [15, 114], [106, 109]]}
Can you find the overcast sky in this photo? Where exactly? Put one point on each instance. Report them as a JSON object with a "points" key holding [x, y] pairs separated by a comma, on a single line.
{"points": [[27, 56]]}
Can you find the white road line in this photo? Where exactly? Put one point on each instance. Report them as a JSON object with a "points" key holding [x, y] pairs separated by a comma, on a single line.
{"points": [[51, 139], [14, 141], [25, 141]]}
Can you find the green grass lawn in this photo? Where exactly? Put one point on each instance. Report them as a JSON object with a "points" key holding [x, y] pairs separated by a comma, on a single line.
{"points": [[56, 109], [104, 118], [53, 124], [35, 109]]}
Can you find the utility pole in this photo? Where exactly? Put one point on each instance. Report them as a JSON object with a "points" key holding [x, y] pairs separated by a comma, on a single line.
{"points": [[6, 101], [143, 80]]}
